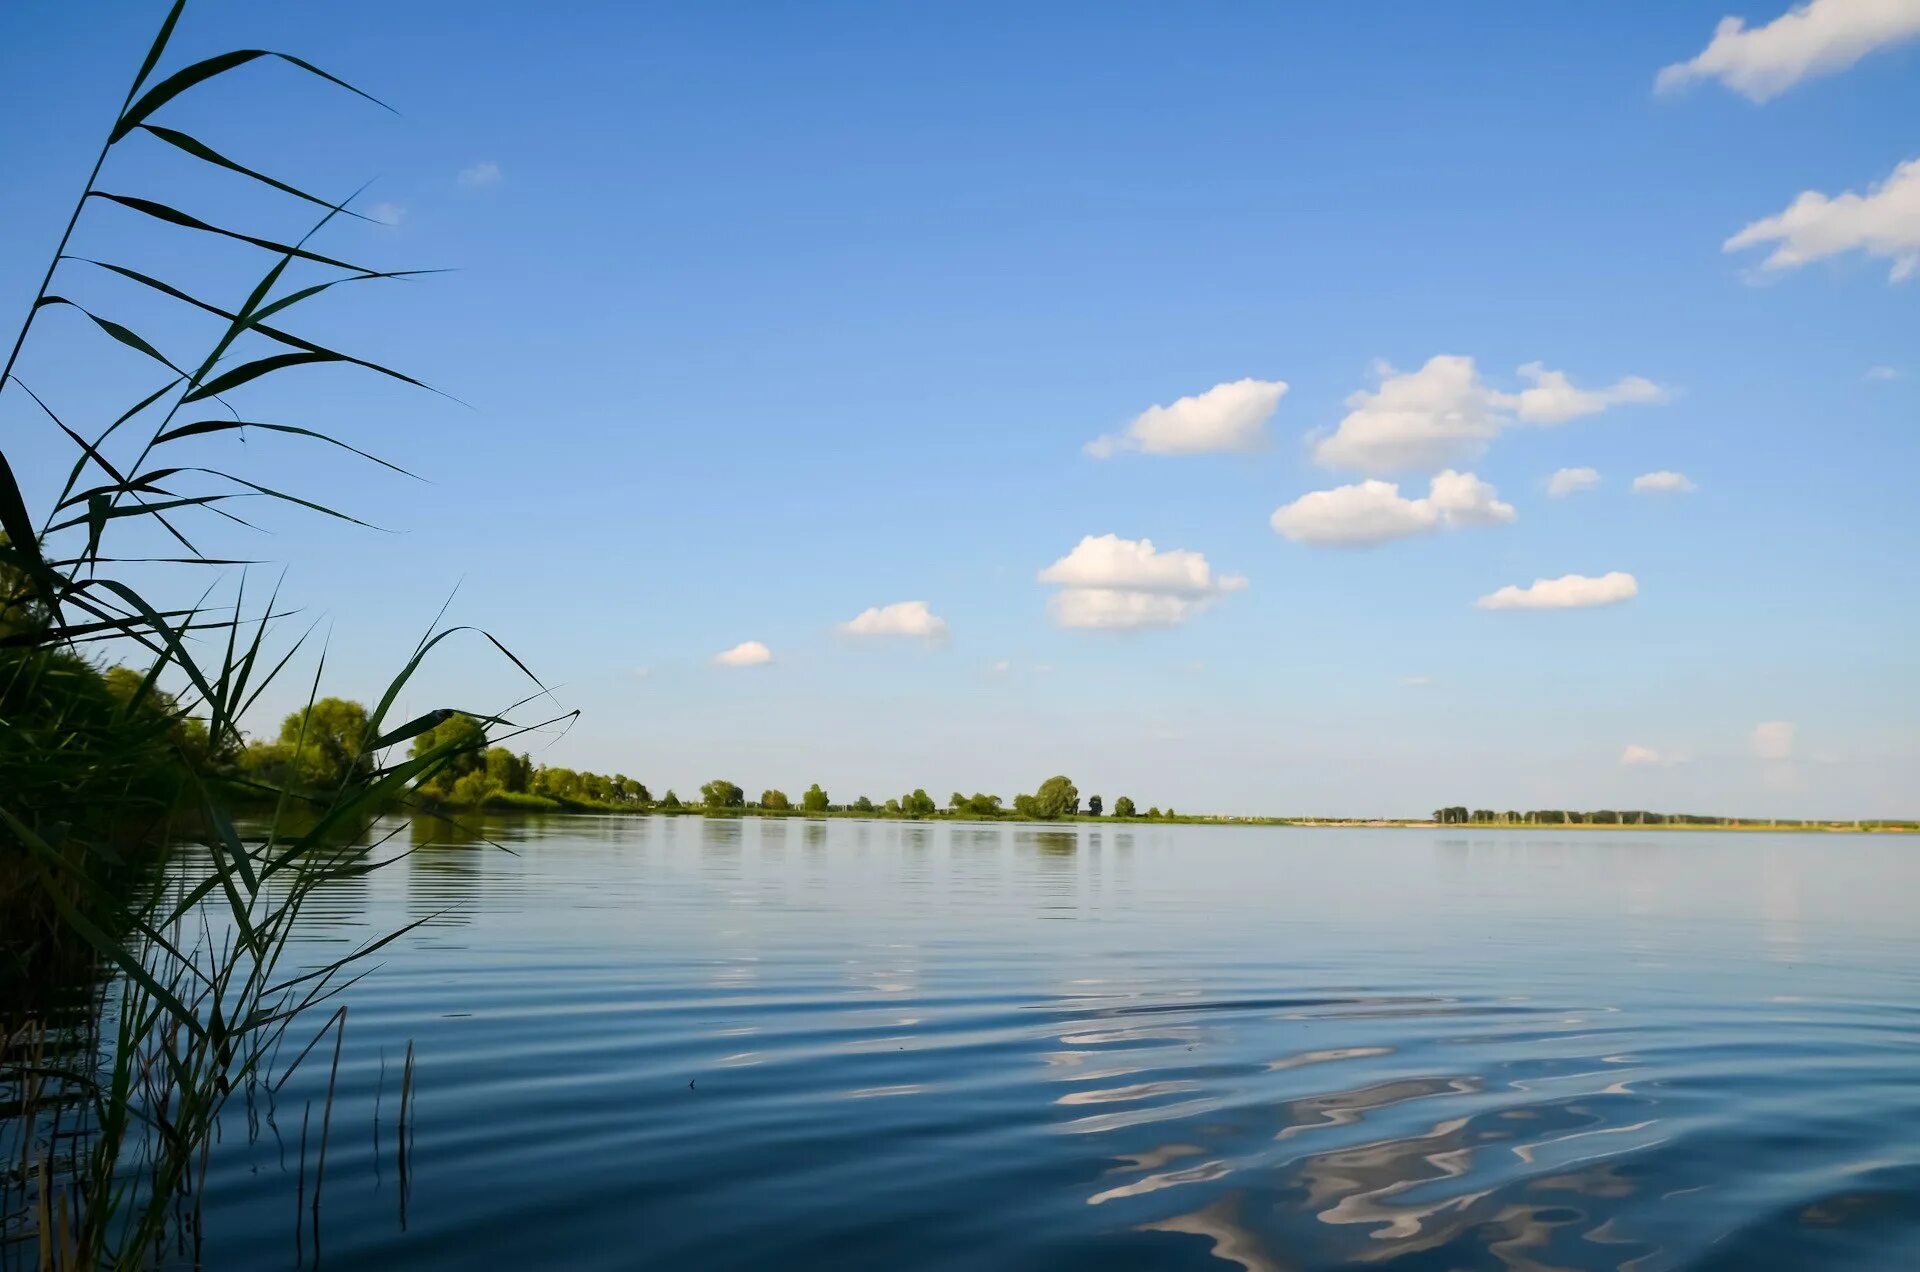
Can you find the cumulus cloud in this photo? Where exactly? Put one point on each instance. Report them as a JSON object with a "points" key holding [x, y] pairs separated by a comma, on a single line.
{"points": [[1444, 413], [1883, 222], [485, 173], [903, 618], [1227, 417], [1373, 512], [1107, 581], [1569, 591], [1637, 756], [1664, 482], [1773, 740], [748, 653], [1554, 399], [1816, 38], [1565, 481]]}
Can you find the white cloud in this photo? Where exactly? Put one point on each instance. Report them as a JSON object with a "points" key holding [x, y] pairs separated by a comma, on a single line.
{"points": [[1569, 591], [1664, 482], [748, 653], [1773, 740], [485, 173], [1554, 399], [1879, 375], [902, 618], [1635, 754], [387, 213], [1444, 413], [1373, 512], [1566, 481], [1884, 222], [1107, 581], [1227, 417], [1816, 38]]}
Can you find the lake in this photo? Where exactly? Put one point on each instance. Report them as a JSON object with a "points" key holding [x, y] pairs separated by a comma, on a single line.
{"points": [[652, 1042]]}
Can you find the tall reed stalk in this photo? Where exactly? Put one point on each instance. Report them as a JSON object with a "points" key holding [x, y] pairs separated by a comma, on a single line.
{"points": [[106, 1119]]}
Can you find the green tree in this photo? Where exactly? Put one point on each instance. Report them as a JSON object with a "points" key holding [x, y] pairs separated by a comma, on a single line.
{"points": [[815, 799], [1093, 805], [464, 740], [863, 805], [1057, 797], [919, 804], [1026, 806], [671, 800], [721, 793], [775, 801], [320, 747], [509, 772], [893, 808], [1123, 807], [1153, 812]]}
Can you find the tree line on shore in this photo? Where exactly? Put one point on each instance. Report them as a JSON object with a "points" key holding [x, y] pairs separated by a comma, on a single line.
{"points": [[1460, 815], [325, 744]]}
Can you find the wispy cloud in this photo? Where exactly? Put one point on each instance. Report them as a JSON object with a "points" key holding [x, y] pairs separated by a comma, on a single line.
{"points": [[387, 213], [1569, 591], [1227, 417], [1883, 222], [1566, 481], [479, 175], [1816, 38]]}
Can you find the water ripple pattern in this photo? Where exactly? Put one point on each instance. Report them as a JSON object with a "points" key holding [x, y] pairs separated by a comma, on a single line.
{"points": [[651, 1042]]}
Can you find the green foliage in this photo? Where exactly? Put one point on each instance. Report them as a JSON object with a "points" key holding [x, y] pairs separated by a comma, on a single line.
{"points": [[863, 805], [720, 793], [814, 800], [1093, 805], [1123, 807], [1057, 797], [1026, 806], [918, 804], [671, 801], [775, 801]]}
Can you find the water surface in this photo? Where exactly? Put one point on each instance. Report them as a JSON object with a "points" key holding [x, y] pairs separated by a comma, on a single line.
{"points": [[648, 1042]]}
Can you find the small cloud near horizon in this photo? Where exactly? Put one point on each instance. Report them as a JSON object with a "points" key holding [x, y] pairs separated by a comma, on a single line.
{"points": [[748, 653], [1664, 482], [1569, 591], [911, 619], [1566, 481]]}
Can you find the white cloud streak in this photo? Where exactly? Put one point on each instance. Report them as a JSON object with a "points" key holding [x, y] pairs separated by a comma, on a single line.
{"points": [[1373, 512], [485, 173], [1444, 414], [1883, 222], [908, 619], [1816, 38], [1110, 582], [1565, 481], [748, 653], [1664, 482], [1227, 417], [1569, 591]]}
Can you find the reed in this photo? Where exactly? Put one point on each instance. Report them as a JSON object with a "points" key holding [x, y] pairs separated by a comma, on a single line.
{"points": [[182, 972]]}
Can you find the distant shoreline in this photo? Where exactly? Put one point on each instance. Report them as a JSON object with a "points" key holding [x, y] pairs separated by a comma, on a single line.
{"points": [[1865, 826]]}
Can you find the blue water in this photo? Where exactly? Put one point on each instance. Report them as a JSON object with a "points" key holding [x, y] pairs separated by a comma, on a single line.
{"points": [[703, 1043]]}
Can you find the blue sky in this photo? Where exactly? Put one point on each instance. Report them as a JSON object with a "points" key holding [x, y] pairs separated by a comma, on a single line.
{"points": [[768, 315]]}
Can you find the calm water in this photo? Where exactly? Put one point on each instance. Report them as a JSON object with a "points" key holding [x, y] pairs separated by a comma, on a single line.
{"points": [[723, 1044]]}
